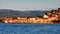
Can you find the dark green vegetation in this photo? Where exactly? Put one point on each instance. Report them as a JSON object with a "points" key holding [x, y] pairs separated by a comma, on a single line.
{"points": [[11, 13]]}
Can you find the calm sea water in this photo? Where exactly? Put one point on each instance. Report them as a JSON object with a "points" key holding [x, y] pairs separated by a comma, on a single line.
{"points": [[29, 28]]}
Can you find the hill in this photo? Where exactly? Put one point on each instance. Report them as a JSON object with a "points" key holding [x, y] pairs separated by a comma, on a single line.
{"points": [[11, 13]]}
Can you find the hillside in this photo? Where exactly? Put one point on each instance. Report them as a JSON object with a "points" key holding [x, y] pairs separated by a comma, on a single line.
{"points": [[11, 13]]}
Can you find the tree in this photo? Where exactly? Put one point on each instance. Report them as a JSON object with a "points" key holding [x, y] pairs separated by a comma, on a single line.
{"points": [[1, 20], [14, 17], [40, 16]]}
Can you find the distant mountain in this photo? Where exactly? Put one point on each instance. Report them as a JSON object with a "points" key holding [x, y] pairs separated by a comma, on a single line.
{"points": [[11, 13]]}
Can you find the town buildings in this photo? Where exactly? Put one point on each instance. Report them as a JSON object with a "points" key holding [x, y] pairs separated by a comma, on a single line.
{"points": [[49, 18]]}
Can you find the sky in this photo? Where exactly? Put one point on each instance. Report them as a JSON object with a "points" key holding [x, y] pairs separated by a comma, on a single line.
{"points": [[29, 4]]}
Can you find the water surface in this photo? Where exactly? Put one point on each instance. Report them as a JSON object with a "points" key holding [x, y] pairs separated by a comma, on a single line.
{"points": [[29, 28]]}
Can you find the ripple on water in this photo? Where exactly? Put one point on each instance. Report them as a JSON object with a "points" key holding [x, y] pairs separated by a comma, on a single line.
{"points": [[29, 28]]}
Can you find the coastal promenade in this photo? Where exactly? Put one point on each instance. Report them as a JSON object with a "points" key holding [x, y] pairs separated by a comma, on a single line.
{"points": [[30, 20]]}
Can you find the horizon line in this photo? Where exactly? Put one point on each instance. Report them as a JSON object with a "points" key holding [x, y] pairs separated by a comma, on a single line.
{"points": [[29, 9]]}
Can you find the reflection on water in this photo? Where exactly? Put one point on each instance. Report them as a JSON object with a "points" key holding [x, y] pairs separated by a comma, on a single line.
{"points": [[29, 28]]}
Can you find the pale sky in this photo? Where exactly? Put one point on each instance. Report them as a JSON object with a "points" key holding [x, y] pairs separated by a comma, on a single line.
{"points": [[29, 4]]}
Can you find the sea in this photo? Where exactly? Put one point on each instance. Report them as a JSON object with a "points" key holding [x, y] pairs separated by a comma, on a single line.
{"points": [[29, 28]]}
